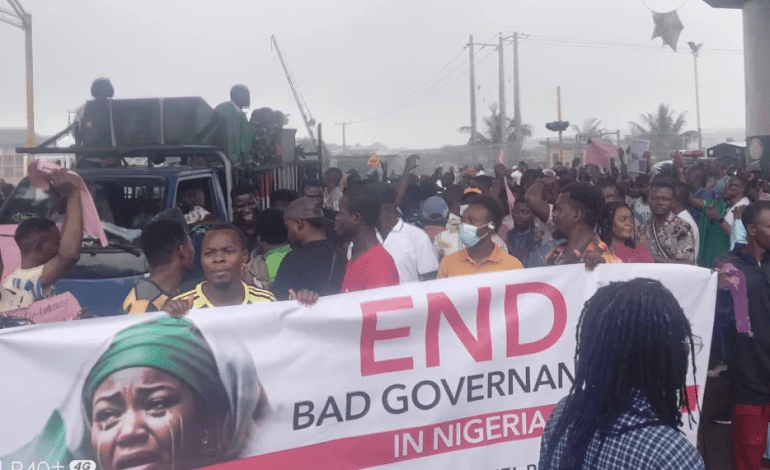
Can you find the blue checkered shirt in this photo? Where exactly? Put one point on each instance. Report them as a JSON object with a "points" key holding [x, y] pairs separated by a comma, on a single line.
{"points": [[635, 441]]}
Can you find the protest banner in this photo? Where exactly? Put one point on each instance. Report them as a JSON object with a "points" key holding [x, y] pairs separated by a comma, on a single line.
{"points": [[600, 153], [636, 163], [456, 373], [62, 307]]}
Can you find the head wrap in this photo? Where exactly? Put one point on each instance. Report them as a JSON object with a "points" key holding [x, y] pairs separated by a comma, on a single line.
{"points": [[171, 345], [212, 361]]}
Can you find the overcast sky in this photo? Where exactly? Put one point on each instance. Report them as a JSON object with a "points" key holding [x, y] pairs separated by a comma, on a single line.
{"points": [[354, 59]]}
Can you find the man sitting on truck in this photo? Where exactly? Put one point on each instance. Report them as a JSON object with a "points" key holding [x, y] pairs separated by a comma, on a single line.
{"points": [[245, 211], [46, 253], [222, 257], [194, 214], [170, 254]]}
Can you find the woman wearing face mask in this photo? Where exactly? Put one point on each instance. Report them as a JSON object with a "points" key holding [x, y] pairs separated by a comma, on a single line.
{"points": [[617, 230], [448, 241], [480, 254], [156, 398]]}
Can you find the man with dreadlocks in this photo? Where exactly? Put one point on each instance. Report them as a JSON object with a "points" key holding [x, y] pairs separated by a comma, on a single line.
{"points": [[623, 411]]}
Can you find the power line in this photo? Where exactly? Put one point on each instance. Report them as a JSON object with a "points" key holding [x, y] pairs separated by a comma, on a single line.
{"points": [[586, 43], [434, 76], [422, 92], [417, 90]]}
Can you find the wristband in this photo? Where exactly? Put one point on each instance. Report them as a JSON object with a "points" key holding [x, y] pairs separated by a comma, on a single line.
{"points": [[720, 221]]}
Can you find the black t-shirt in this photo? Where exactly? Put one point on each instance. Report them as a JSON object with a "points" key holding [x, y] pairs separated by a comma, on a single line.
{"points": [[318, 266]]}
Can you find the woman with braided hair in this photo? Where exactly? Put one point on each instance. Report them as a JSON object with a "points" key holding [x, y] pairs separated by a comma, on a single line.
{"points": [[624, 408], [617, 229]]}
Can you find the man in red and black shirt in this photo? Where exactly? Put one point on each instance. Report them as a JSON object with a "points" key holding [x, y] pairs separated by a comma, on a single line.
{"points": [[370, 266]]}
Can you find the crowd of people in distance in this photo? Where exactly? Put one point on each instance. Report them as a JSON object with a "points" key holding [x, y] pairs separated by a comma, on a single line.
{"points": [[348, 233]]}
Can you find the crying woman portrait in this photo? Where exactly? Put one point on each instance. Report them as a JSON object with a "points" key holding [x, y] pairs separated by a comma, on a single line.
{"points": [[160, 396]]}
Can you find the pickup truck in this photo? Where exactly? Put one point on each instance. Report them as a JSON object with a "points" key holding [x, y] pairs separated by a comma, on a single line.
{"points": [[136, 156], [127, 197]]}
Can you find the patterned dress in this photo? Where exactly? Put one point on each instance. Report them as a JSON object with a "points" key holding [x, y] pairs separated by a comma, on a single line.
{"points": [[559, 255]]}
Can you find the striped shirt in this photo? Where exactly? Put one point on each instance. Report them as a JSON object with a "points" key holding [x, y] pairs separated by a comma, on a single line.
{"points": [[253, 295]]}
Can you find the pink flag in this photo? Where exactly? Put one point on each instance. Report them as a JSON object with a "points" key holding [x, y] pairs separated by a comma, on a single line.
{"points": [[600, 152], [508, 192], [38, 172]]}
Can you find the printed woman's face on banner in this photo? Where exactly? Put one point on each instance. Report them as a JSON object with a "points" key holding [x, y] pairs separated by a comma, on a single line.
{"points": [[146, 419]]}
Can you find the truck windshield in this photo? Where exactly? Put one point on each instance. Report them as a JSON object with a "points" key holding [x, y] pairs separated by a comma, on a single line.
{"points": [[125, 203]]}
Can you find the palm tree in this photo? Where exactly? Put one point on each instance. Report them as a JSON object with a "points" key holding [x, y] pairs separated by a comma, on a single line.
{"points": [[663, 129], [492, 133], [591, 126]]}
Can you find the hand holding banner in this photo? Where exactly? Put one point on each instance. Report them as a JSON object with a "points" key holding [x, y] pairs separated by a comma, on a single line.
{"points": [[599, 153], [453, 373]]}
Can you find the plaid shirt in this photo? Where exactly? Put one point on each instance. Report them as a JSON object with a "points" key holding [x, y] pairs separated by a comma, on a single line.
{"points": [[637, 440]]}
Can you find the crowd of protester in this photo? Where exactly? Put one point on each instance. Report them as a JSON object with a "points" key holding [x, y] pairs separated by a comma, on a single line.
{"points": [[347, 233]]}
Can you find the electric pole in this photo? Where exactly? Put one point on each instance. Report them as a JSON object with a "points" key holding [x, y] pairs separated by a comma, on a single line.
{"points": [[695, 49], [344, 144], [516, 100], [23, 20], [501, 104], [471, 47]]}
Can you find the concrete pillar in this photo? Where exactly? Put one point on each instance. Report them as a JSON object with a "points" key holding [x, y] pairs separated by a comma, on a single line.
{"points": [[756, 45]]}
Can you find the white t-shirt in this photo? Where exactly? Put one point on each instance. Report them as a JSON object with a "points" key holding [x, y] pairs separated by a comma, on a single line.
{"points": [[642, 210], [11, 300], [332, 199], [547, 227], [685, 215], [730, 217], [27, 288], [411, 249], [196, 215]]}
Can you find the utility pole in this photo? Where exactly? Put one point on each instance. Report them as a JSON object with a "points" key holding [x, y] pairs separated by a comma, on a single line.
{"points": [[558, 112], [516, 100], [695, 49], [501, 104], [23, 20], [471, 48], [344, 144]]}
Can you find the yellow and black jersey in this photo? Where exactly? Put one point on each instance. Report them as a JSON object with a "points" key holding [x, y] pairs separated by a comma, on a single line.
{"points": [[145, 297], [253, 295]]}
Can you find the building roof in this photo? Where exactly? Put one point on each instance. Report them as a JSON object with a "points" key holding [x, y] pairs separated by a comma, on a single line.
{"points": [[16, 137]]}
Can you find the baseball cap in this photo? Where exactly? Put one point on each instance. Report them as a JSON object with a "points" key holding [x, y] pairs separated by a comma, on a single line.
{"points": [[435, 208], [304, 208]]}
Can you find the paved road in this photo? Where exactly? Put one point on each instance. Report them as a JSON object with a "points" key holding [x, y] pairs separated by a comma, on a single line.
{"points": [[714, 439]]}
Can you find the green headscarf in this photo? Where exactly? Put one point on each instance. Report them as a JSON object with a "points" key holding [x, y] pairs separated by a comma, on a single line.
{"points": [[171, 345]]}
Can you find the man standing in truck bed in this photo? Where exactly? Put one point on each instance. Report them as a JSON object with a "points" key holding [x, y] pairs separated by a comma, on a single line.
{"points": [[238, 131]]}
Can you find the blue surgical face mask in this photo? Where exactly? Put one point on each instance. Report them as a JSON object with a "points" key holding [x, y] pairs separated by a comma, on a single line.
{"points": [[469, 234]]}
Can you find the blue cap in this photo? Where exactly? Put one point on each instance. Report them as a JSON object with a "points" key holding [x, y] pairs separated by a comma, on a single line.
{"points": [[435, 208]]}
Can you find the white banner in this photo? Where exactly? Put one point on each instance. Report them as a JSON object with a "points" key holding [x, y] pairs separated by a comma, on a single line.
{"points": [[456, 373], [636, 163]]}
